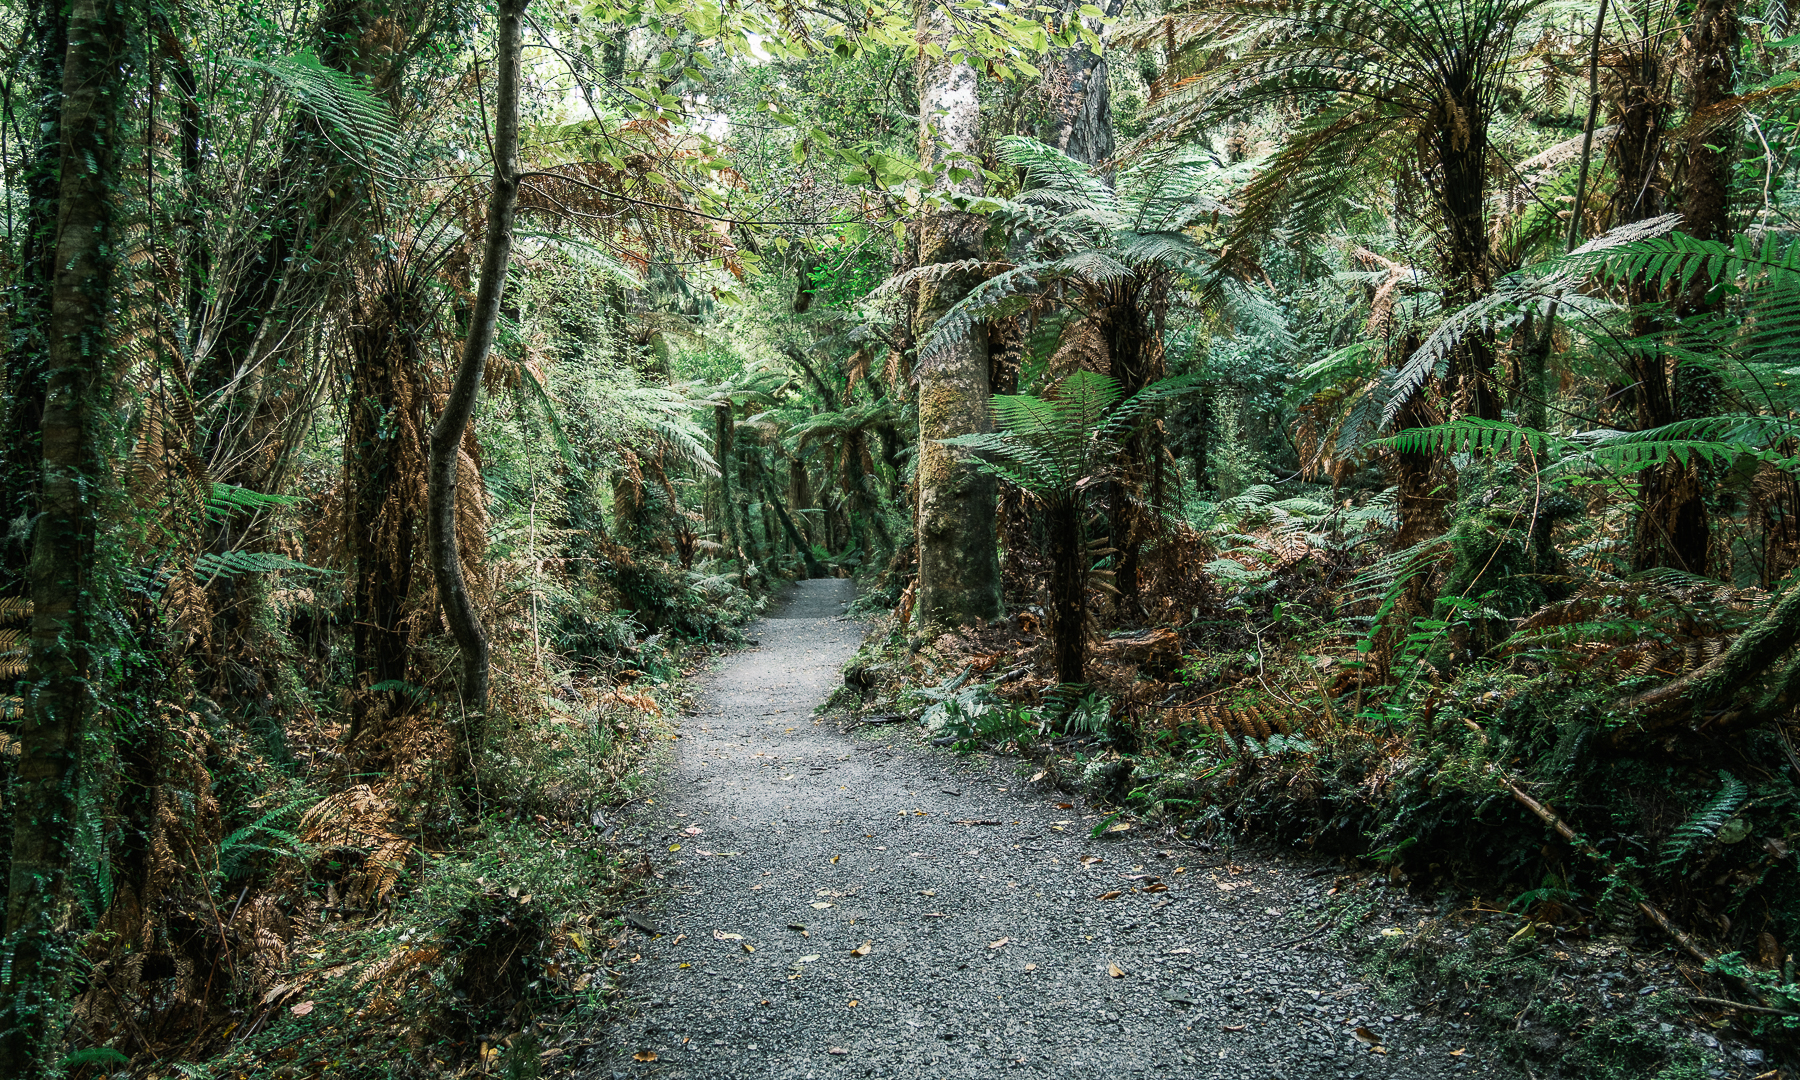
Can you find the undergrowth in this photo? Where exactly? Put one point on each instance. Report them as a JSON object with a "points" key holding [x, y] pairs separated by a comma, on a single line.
{"points": [[1290, 697]]}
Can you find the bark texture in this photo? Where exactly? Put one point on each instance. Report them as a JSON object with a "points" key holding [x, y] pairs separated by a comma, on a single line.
{"points": [[1081, 121], [1460, 146], [59, 694], [1674, 528], [27, 356], [959, 564], [386, 458], [1068, 590], [446, 438]]}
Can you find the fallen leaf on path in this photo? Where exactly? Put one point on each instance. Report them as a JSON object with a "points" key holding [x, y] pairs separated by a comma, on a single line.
{"points": [[1113, 895], [820, 904], [693, 830], [749, 947], [679, 938], [1123, 826], [796, 926], [644, 1055], [1065, 806], [1090, 860], [723, 936], [808, 959], [301, 1009], [998, 944], [852, 1003], [1369, 1039], [862, 950], [837, 1050], [929, 892], [1115, 971], [835, 858], [1036, 776], [1158, 887], [1231, 1027], [1030, 967], [1459, 1051], [674, 847]]}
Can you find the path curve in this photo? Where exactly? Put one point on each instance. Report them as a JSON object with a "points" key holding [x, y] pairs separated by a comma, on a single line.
{"points": [[988, 950]]}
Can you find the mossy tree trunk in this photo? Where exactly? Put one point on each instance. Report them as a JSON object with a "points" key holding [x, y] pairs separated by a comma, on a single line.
{"points": [[27, 357], [67, 589], [959, 563]]}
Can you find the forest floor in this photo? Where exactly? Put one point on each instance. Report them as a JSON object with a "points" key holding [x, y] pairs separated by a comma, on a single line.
{"points": [[854, 904]]}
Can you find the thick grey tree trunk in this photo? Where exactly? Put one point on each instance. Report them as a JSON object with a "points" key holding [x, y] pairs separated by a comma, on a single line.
{"points": [[1081, 121], [959, 562], [447, 436], [66, 589]]}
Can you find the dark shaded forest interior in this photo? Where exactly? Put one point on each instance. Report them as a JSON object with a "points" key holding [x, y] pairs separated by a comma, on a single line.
{"points": [[1366, 425]]}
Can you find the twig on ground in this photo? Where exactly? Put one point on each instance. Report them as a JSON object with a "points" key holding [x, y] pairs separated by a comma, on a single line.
{"points": [[1727, 1003], [1306, 937]]}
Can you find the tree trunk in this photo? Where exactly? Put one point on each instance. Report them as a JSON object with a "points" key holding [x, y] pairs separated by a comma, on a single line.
{"points": [[1081, 124], [813, 568], [1674, 527], [385, 460], [447, 437], [800, 496], [1068, 591], [1461, 158], [1134, 349], [959, 564], [723, 452], [27, 359], [66, 590]]}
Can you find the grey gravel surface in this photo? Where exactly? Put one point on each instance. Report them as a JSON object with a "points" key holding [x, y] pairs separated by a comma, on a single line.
{"points": [[857, 905]]}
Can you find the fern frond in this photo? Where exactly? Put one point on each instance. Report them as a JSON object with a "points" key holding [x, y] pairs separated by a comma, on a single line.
{"points": [[1700, 828]]}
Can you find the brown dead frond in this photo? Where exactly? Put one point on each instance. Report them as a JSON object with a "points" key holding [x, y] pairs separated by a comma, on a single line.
{"points": [[1659, 623]]}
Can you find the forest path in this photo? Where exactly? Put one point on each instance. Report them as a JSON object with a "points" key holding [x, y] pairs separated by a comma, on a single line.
{"points": [[987, 950]]}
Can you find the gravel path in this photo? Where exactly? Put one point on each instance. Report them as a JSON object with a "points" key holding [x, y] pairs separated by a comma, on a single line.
{"points": [[845, 906]]}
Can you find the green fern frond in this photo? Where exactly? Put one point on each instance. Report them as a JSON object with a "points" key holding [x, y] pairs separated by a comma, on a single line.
{"points": [[1701, 827], [357, 122]]}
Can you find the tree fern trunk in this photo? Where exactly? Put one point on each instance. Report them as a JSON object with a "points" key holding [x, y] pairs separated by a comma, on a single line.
{"points": [[66, 587], [959, 564], [1068, 590], [1674, 527], [384, 466], [1461, 147], [447, 437]]}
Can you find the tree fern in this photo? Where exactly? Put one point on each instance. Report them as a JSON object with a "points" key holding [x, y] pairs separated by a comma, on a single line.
{"points": [[1083, 239], [1701, 827], [359, 124]]}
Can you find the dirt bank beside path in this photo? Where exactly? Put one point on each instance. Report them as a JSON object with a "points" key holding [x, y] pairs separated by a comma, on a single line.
{"points": [[845, 906]]}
